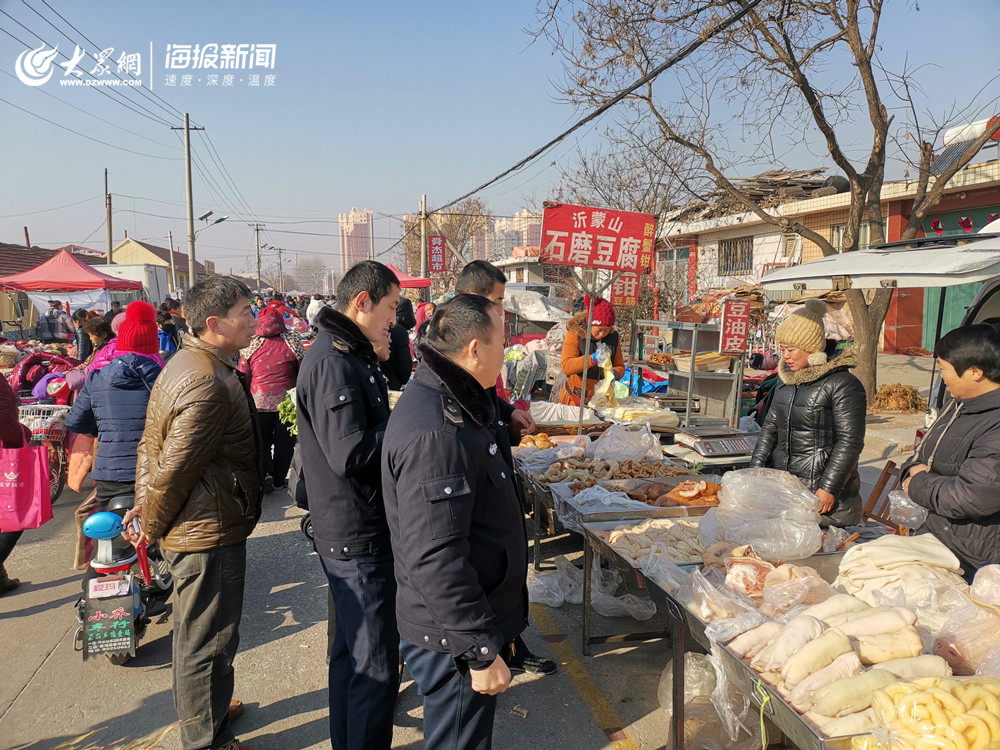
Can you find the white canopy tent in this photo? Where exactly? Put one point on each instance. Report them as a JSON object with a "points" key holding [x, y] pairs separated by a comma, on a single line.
{"points": [[905, 265]]}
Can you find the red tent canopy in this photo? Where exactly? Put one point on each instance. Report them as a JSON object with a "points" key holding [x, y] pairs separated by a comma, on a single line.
{"points": [[405, 280], [65, 273]]}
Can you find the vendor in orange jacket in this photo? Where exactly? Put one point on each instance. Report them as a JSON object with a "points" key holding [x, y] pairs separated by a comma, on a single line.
{"points": [[574, 358]]}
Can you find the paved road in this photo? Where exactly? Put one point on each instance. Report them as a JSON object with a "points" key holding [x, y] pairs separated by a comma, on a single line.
{"points": [[50, 696]]}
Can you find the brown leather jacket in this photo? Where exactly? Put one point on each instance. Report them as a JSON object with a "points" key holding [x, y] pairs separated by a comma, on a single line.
{"points": [[199, 476]]}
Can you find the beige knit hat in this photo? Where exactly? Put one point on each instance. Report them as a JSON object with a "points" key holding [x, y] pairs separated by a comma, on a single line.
{"points": [[804, 330]]}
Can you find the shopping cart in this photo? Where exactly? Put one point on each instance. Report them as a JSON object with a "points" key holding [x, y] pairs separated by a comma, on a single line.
{"points": [[47, 423]]}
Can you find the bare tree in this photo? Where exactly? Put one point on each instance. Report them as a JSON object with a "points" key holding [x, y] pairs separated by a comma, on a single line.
{"points": [[464, 224], [752, 94]]}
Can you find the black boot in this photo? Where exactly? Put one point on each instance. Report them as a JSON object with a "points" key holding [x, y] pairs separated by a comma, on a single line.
{"points": [[520, 659], [7, 584]]}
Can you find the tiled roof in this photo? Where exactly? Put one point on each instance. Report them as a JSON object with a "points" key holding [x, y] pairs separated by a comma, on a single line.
{"points": [[180, 259], [17, 258]]}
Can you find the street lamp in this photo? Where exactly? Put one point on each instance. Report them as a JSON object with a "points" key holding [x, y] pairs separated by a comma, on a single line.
{"points": [[204, 217]]}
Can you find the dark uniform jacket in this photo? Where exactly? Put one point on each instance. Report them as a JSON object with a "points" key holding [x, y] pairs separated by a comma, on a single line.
{"points": [[198, 475], [962, 488], [457, 528], [343, 405], [815, 429]]}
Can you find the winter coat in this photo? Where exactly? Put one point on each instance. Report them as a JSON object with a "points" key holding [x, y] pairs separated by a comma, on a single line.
{"points": [[168, 342], [199, 473], [12, 433], [815, 429], [399, 367], [457, 528], [271, 362], [112, 406], [342, 408], [962, 488], [574, 359], [54, 327], [84, 346]]}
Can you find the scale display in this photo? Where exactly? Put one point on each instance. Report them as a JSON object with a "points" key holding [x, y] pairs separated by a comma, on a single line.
{"points": [[712, 441]]}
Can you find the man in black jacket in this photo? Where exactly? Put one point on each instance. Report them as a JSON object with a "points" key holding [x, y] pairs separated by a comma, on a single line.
{"points": [[456, 525], [483, 278], [343, 407]]}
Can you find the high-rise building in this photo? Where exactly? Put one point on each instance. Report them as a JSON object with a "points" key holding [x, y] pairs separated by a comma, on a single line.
{"points": [[529, 224], [525, 228], [482, 244], [355, 237]]}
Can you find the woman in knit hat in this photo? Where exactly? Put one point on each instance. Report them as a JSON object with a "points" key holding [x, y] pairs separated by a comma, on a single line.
{"points": [[815, 428], [603, 339]]}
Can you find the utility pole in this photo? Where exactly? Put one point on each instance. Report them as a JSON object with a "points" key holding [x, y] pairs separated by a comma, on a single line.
{"points": [[256, 233], [192, 276], [281, 272], [371, 236], [107, 205], [423, 237], [173, 267]]}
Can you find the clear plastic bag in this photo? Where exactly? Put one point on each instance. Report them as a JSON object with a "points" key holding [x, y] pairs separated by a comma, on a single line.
{"points": [[768, 509], [904, 512], [709, 602], [570, 580], [833, 537], [966, 636], [986, 586], [990, 665], [545, 588], [664, 572], [699, 681], [782, 598], [732, 705], [723, 631], [622, 442], [538, 459], [603, 586]]}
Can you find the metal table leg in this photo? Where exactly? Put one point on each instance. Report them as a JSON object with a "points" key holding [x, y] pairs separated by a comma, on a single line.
{"points": [[588, 561], [677, 636], [537, 509]]}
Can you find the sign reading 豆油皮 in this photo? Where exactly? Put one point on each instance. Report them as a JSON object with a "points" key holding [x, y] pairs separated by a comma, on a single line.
{"points": [[735, 326], [585, 236]]}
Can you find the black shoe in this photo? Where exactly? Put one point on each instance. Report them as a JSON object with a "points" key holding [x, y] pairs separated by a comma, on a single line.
{"points": [[268, 484], [7, 584], [519, 659]]}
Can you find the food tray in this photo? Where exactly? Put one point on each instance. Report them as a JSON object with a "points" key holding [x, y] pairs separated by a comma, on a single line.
{"points": [[573, 516], [535, 473]]}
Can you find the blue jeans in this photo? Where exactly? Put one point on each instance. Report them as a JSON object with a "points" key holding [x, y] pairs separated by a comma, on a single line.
{"points": [[455, 716], [364, 661]]}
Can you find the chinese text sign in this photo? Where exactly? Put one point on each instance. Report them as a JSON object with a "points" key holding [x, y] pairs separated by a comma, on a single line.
{"points": [[435, 251], [597, 238]]}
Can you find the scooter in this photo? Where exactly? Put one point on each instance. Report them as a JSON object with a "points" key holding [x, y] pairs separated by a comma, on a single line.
{"points": [[127, 589]]}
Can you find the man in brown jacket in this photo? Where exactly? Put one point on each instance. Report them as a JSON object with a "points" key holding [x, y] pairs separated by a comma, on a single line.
{"points": [[198, 492]]}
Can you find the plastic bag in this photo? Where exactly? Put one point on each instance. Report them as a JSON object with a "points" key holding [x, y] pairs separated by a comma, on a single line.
{"points": [[664, 572], [699, 681], [732, 705], [604, 390], [986, 586], [833, 537], [781, 598], [709, 602], [966, 636], [769, 509], [901, 720], [990, 665], [723, 631], [749, 425], [570, 580], [621, 443], [603, 585], [538, 459], [545, 588], [904, 512]]}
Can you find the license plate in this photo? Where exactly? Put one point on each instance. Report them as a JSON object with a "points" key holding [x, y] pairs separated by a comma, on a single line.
{"points": [[107, 588]]}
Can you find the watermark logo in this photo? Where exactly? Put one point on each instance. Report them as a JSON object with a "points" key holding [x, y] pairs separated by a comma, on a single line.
{"points": [[34, 66]]}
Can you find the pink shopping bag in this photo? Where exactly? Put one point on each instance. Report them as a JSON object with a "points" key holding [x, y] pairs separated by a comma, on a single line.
{"points": [[25, 497]]}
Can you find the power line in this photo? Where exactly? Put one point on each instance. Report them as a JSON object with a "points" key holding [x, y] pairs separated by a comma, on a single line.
{"points": [[90, 138], [47, 210], [620, 96]]}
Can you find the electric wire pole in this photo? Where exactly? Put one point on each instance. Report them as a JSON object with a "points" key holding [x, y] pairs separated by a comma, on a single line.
{"points": [[281, 272], [423, 237], [192, 276], [107, 205], [256, 233], [173, 267]]}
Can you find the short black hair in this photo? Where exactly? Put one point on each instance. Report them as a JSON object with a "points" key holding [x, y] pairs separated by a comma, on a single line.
{"points": [[172, 304], [972, 346], [163, 317], [459, 321], [478, 277], [80, 315], [115, 302], [99, 326], [216, 296], [367, 276]]}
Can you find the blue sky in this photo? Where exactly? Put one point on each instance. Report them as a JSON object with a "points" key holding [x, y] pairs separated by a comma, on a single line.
{"points": [[372, 105]]}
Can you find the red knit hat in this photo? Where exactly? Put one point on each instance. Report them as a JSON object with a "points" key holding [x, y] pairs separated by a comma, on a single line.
{"points": [[138, 332], [604, 313]]}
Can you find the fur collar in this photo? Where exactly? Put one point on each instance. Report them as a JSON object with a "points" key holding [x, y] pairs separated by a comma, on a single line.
{"points": [[847, 358], [441, 373], [345, 331]]}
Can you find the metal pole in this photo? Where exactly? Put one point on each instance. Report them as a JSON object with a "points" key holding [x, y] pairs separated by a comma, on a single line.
{"points": [[256, 234], [423, 239], [107, 205], [371, 236], [281, 273], [192, 277], [173, 268], [586, 364]]}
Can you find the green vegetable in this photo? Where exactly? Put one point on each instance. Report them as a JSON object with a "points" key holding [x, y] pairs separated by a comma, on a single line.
{"points": [[287, 413]]}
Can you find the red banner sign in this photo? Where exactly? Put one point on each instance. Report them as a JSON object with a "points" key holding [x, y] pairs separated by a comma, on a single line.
{"points": [[435, 251], [735, 326], [625, 290], [597, 238]]}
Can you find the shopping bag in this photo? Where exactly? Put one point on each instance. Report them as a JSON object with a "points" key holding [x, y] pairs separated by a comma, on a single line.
{"points": [[25, 497]]}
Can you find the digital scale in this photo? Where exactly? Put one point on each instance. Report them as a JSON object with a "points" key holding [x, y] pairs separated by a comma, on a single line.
{"points": [[716, 440]]}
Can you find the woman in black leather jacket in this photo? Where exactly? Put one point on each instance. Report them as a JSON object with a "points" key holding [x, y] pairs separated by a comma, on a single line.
{"points": [[815, 428]]}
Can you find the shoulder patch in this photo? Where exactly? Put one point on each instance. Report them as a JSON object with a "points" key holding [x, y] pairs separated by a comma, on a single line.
{"points": [[452, 411], [340, 346]]}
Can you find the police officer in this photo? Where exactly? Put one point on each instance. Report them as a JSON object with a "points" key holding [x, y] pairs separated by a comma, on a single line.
{"points": [[456, 526]]}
